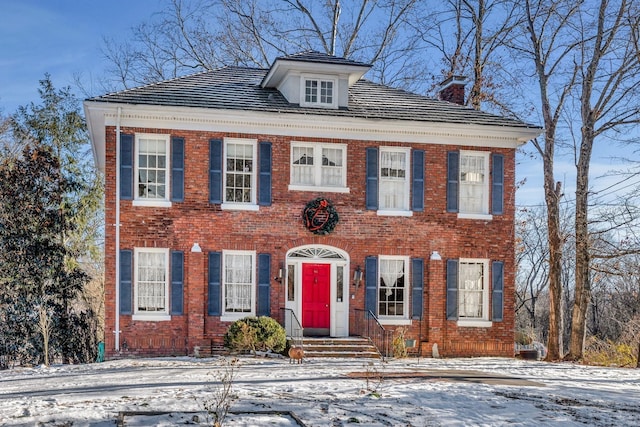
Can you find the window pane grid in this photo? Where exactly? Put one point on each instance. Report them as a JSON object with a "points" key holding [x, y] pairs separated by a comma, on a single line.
{"points": [[151, 284], [311, 91], [302, 168], [239, 173], [471, 290], [238, 283], [329, 171], [472, 183], [326, 92], [393, 176], [318, 91], [152, 163], [391, 292]]}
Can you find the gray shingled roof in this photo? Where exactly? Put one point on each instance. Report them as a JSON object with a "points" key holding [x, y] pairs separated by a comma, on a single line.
{"points": [[314, 56], [238, 88]]}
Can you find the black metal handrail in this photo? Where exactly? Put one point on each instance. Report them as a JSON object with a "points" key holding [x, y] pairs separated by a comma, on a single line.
{"points": [[293, 327], [367, 325]]}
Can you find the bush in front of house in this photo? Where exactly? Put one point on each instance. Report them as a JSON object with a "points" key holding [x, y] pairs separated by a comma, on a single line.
{"points": [[252, 334]]}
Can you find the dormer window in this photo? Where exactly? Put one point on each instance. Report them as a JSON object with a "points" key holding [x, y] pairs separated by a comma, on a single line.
{"points": [[318, 92]]}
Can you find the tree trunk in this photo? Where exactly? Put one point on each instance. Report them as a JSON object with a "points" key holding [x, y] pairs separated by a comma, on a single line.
{"points": [[583, 280], [552, 196]]}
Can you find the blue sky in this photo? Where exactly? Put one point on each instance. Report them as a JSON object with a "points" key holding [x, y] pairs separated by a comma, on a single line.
{"points": [[59, 37]]}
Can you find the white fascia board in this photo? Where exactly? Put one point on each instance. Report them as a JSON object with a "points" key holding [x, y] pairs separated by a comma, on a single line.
{"points": [[302, 125], [94, 113]]}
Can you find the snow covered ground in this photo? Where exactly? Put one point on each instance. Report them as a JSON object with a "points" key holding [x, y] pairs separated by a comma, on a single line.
{"points": [[324, 392]]}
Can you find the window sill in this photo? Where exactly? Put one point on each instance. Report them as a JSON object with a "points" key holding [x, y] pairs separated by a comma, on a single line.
{"points": [[332, 106], [152, 203], [475, 323], [151, 317], [232, 317], [483, 217], [293, 187], [239, 207], [383, 212], [390, 321]]}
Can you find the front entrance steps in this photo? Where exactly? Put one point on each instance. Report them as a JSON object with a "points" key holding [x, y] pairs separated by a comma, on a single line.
{"points": [[348, 347]]}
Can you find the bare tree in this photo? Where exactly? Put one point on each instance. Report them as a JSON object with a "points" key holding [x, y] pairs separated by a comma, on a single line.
{"points": [[470, 37], [609, 65], [190, 36], [532, 276], [547, 45]]}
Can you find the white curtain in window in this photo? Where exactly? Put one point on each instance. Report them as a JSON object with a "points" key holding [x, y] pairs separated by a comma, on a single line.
{"points": [[472, 183], [471, 290], [331, 167], [151, 281], [238, 282], [152, 163], [302, 167], [393, 167], [390, 272]]}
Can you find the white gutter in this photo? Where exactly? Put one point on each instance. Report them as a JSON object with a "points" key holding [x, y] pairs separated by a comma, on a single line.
{"points": [[117, 226]]}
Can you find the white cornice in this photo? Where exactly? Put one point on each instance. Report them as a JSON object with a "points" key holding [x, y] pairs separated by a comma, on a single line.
{"points": [[101, 114]]}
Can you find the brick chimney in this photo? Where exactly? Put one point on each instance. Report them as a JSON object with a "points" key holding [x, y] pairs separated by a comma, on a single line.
{"points": [[452, 90]]}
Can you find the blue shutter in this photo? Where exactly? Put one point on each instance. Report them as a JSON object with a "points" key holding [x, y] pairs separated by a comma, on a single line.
{"points": [[452, 289], [215, 288], [177, 169], [264, 285], [497, 185], [126, 274], [372, 178], [126, 167], [497, 294], [177, 282], [417, 284], [215, 171], [417, 173], [371, 284], [453, 172], [264, 185]]}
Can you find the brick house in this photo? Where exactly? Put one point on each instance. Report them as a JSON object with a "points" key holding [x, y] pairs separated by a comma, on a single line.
{"points": [[304, 191]]}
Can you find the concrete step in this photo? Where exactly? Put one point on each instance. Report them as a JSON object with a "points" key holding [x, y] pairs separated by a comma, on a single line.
{"points": [[350, 347]]}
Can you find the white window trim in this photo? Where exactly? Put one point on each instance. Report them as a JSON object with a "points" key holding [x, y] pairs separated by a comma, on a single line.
{"points": [[486, 215], [317, 168], [396, 320], [407, 212], [159, 203], [318, 78], [482, 217], [233, 316], [248, 206], [155, 316], [483, 322]]}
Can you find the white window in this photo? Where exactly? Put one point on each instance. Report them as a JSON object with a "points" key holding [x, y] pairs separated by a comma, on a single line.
{"points": [[151, 296], [318, 165], [393, 287], [318, 92], [240, 174], [474, 182], [238, 283], [394, 179], [152, 169], [473, 290]]}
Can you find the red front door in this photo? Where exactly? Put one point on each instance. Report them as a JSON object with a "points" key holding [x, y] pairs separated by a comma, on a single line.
{"points": [[316, 286]]}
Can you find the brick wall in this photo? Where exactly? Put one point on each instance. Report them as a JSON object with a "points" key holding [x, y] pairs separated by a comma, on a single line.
{"points": [[277, 228]]}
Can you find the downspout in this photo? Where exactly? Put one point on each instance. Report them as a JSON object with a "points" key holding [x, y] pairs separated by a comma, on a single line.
{"points": [[117, 226]]}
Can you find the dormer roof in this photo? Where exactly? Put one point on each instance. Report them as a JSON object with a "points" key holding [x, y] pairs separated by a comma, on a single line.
{"points": [[313, 62]]}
